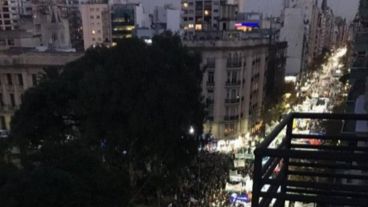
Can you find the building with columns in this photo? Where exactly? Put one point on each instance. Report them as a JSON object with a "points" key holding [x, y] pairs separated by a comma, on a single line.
{"points": [[20, 69]]}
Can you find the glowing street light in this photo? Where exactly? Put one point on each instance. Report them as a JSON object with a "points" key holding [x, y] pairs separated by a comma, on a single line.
{"points": [[191, 130]]}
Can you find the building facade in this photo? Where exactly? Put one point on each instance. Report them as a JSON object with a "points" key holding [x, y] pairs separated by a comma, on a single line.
{"points": [[234, 81], [20, 69], [205, 15], [51, 25], [294, 34], [96, 23]]}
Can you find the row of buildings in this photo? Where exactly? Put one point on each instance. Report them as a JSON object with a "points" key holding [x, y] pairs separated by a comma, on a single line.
{"points": [[244, 54], [310, 29]]}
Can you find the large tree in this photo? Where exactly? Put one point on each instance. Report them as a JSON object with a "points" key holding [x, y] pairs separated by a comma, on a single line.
{"points": [[131, 106]]}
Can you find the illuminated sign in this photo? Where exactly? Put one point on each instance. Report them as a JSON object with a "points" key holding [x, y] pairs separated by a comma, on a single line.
{"points": [[246, 26], [240, 198]]}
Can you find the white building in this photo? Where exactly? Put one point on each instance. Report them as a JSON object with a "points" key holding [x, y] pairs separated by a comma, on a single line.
{"points": [[293, 33], [96, 23], [233, 83]]}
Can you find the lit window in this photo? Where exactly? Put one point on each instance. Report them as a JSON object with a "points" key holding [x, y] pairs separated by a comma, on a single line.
{"points": [[185, 4], [93, 31], [198, 27], [206, 12], [190, 26]]}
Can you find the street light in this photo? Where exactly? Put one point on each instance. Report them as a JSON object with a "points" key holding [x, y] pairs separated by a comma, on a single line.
{"points": [[191, 130]]}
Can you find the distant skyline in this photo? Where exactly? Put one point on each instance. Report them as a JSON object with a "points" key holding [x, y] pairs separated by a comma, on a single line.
{"points": [[344, 8]]}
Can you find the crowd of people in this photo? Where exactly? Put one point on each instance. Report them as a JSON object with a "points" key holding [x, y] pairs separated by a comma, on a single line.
{"points": [[205, 180]]}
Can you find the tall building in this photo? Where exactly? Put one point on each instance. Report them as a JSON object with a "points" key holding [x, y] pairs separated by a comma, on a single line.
{"points": [[51, 25], [205, 15], [235, 49], [125, 19], [70, 11], [234, 80], [294, 34], [310, 21], [16, 28], [341, 32], [96, 23], [9, 15], [327, 25]]}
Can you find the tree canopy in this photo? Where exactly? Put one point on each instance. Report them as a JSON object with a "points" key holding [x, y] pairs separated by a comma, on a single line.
{"points": [[111, 125]]}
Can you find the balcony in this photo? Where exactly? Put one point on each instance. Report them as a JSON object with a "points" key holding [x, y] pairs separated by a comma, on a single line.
{"points": [[231, 118], [210, 84], [233, 64], [233, 100], [327, 169], [233, 83]]}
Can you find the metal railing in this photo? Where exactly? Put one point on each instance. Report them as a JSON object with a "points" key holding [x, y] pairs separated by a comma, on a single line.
{"points": [[332, 171]]}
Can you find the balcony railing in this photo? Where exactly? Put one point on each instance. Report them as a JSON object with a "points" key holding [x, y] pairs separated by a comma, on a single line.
{"points": [[232, 100], [328, 168], [233, 64], [233, 83], [231, 118]]}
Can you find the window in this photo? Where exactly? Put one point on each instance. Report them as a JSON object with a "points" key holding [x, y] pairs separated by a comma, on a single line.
{"points": [[91, 17], [20, 79], [1, 100], [9, 79], [228, 76], [10, 42], [38, 27], [2, 122], [211, 62], [227, 111], [97, 16], [34, 79], [54, 37], [210, 77], [12, 100], [234, 77], [233, 94]]}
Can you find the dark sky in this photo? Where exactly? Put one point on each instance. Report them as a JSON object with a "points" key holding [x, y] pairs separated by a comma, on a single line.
{"points": [[344, 8]]}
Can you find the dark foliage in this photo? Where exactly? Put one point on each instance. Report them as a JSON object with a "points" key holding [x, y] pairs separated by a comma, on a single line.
{"points": [[112, 123]]}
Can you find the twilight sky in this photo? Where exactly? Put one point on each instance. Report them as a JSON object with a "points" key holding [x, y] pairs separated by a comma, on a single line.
{"points": [[344, 8]]}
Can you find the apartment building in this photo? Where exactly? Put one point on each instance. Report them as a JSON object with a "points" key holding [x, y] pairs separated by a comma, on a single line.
{"points": [[234, 80], [96, 23], [199, 15]]}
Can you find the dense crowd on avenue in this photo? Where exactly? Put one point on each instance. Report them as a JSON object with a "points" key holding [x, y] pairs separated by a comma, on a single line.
{"points": [[206, 180]]}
